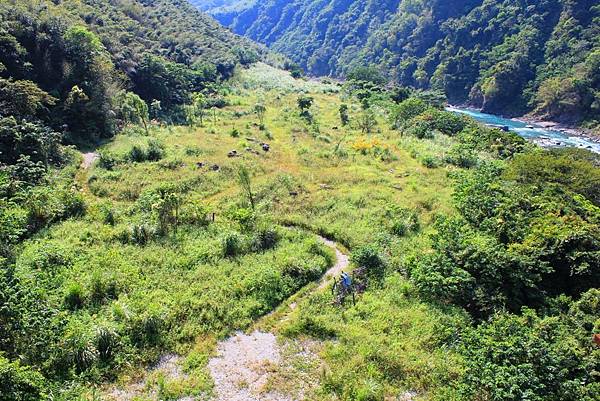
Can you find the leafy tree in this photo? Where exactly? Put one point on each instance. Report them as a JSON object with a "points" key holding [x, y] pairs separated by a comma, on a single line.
{"points": [[369, 74], [23, 99], [367, 120], [33, 140], [260, 111], [88, 102], [245, 182], [398, 94], [168, 82], [197, 109], [132, 108], [304, 104], [408, 110], [344, 117]]}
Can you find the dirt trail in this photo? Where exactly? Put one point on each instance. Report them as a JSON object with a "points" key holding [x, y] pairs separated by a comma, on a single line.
{"points": [[89, 159], [245, 362], [246, 365], [342, 262]]}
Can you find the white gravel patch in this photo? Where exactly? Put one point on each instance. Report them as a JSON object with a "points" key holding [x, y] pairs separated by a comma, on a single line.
{"points": [[243, 365], [89, 159]]}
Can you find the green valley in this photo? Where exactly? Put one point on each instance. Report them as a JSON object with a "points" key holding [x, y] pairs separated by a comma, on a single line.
{"points": [[177, 209], [508, 57]]}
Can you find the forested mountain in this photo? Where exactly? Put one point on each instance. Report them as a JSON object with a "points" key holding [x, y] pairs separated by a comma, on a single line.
{"points": [[509, 56], [175, 217], [66, 61]]}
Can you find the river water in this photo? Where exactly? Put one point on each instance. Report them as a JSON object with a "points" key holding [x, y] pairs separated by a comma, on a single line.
{"points": [[535, 133]]}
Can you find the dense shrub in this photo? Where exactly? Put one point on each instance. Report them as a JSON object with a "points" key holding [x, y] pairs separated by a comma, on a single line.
{"points": [[232, 244], [407, 110], [462, 155], [107, 160], [265, 238], [420, 128], [369, 257], [528, 357], [19, 383], [513, 245], [74, 297]]}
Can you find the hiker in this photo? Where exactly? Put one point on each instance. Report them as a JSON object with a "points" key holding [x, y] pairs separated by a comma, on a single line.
{"points": [[346, 281]]}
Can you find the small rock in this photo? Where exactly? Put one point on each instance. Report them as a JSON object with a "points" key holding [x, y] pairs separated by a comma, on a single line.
{"points": [[232, 153], [199, 164], [215, 167]]}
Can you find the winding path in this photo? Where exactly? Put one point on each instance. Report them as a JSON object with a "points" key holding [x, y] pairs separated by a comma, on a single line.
{"points": [[88, 159], [244, 362]]}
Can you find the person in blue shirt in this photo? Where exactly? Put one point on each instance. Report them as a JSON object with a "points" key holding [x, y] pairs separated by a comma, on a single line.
{"points": [[346, 281]]}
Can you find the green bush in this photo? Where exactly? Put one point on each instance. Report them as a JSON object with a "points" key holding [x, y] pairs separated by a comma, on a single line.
{"points": [[19, 383], [369, 257], [107, 160], [420, 129], [74, 298], [264, 239], [155, 150], [407, 110], [137, 154], [514, 358], [462, 155], [232, 244], [430, 161]]}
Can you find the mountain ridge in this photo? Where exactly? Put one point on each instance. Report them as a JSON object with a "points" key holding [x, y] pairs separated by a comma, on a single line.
{"points": [[508, 57]]}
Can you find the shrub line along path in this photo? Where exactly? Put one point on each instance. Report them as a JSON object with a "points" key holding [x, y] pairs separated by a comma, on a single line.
{"points": [[244, 362]]}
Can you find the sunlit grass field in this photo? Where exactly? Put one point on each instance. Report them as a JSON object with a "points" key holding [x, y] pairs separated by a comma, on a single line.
{"points": [[216, 272]]}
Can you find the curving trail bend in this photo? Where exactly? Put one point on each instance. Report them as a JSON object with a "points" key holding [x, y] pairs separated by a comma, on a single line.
{"points": [[244, 362]]}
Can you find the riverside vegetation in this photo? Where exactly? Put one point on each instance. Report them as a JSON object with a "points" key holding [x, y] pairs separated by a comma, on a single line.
{"points": [[198, 218], [508, 57]]}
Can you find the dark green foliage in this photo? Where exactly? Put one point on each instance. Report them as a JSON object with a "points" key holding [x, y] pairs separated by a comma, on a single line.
{"points": [[23, 99], [154, 151], [19, 383], [304, 104], [516, 242], [344, 118], [39, 143], [507, 56], [368, 74], [264, 239], [231, 244], [530, 357], [370, 258]]}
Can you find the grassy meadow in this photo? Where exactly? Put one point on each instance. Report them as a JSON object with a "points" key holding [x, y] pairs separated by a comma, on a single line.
{"points": [[174, 254]]}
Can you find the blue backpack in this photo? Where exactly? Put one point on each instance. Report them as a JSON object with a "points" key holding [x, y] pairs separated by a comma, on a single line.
{"points": [[346, 280]]}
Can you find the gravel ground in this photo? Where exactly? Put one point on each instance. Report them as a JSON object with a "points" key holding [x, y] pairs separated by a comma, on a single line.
{"points": [[242, 367], [89, 159], [244, 364]]}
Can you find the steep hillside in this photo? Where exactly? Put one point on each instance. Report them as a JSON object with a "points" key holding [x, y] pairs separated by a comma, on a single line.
{"points": [[68, 61], [508, 56]]}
